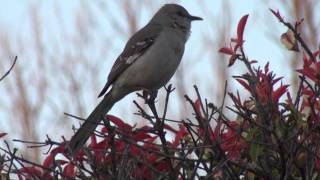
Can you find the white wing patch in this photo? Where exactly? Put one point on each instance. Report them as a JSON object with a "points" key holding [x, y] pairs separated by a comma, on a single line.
{"points": [[132, 58], [141, 43]]}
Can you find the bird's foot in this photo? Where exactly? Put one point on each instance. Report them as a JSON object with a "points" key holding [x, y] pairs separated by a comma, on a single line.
{"points": [[149, 96]]}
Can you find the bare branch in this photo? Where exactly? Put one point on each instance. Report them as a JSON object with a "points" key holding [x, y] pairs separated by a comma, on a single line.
{"points": [[7, 73]]}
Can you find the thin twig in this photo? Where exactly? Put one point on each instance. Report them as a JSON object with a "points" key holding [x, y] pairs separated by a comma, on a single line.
{"points": [[7, 73]]}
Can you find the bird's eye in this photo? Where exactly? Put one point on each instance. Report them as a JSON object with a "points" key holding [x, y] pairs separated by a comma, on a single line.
{"points": [[181, 14]]}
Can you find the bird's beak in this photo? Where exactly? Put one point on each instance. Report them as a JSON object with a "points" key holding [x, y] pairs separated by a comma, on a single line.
{"points": [[194, 18]]}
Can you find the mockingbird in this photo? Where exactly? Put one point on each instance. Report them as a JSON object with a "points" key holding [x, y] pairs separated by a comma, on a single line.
{"points": [[148, 61]]}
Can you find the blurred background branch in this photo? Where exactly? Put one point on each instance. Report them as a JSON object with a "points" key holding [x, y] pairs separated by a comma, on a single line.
{"points": [[9, 70]]}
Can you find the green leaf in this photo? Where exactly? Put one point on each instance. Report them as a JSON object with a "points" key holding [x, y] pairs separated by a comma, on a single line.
{"points": [[255, 148]]}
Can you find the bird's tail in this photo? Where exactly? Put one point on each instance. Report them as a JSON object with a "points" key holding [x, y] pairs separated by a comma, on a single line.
{"points": [[88, 127]]}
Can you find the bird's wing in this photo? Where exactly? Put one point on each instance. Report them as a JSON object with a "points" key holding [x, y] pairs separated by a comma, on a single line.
{"points": [[135, 47]]}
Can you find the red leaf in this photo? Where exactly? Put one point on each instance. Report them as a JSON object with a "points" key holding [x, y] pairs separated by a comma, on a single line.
{"points": [[146, 129], [61, 162], [181, 134], [50, 158], [278, 93], [307, 91], [80, 155], [240, 29], [317, 163], [48, 161], [310, 73], [152, 159], [232, 59], [2, 134], [197, 106], [167, 127], [100, 146], [163, 166], [226, 50], [276, 80], [231, 141], [315, 54], [141, 136], [277, 14], [48, 176], [59, 149], [306, 61], [149, 144], [120, 145], [93, 139], [253, 61], [69, 170], [30, 171], [151, 139], [244, 84], [118, 122], [134, 150]]}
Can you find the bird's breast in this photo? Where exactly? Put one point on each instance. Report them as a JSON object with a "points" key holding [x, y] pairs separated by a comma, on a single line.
{"points": [[157, 65]]}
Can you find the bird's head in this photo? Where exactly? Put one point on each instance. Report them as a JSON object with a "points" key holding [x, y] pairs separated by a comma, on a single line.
{"points": [[174, 15]]}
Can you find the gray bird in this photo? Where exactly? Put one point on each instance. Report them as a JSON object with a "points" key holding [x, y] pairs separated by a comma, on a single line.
{"points": [[148, 61]]}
